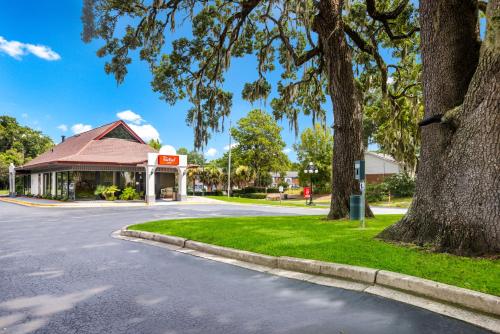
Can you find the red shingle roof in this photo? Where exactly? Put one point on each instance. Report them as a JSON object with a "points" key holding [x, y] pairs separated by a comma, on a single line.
{"points": [[90, 148]]}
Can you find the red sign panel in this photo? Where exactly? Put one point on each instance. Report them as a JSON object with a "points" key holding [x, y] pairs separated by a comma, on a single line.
{"points": [[307, 192], [168, 160]]}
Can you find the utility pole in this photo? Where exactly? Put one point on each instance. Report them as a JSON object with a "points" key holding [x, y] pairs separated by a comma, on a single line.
{"points": [[229, 165]]}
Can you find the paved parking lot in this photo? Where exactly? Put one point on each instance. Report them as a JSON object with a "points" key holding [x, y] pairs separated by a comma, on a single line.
{"points": [[61, 272]]}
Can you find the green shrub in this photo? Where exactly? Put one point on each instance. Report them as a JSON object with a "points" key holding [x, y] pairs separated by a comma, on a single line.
{"points": [[324, 188], [129, 194], [99, 191], [376, 192], [283, 184], [254, 195], [253, 190], [400, 185], [110, 193]]}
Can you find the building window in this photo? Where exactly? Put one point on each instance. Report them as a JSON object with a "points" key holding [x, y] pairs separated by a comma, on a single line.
{"points": [[47, 183], [106, 178], [63, 180], [27, 184], [85, 184]]}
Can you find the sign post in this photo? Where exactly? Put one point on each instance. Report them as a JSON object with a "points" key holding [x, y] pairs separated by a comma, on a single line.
{"points": [[359, 174], [280, 189]]}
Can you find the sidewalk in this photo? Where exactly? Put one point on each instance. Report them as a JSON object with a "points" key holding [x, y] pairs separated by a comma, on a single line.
{"points": [[39, 202]]}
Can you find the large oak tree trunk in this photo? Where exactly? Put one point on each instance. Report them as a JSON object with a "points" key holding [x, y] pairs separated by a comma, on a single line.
{"points": [[346, 99], [456, 207]]}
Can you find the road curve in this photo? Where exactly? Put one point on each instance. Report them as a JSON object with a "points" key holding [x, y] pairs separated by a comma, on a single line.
{"points": [[61, 272]]}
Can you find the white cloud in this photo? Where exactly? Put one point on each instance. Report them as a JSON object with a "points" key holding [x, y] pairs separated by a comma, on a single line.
{"points": [[287, 150], [42, 51], [233, 145], [12, 48], [79, 128], [146, 131], [17, 50], [211, 152], [130, 116], [63, 127]]}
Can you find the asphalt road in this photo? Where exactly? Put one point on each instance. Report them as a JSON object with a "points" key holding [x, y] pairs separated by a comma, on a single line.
{"points": [[61, 272]]}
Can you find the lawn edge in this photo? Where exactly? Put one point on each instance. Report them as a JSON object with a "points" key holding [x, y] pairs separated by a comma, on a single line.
{"points": [[471, 306]]}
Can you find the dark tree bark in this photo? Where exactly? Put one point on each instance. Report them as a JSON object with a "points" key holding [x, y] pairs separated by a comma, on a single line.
{"points": [[456, 207], [346, 99]]}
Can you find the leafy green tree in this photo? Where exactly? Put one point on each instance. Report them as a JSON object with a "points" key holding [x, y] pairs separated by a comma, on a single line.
{"points": [[195, 158], [391, 119], [155, 143], [212, 176], [243, 175], [182, 151], [6, 158], [18, 145], [260, 145], [315, 145], [29, 142], [311, 42], [192, 175]]}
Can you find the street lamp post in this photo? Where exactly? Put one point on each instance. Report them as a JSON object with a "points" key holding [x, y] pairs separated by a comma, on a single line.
{"points": [[311, 169]]}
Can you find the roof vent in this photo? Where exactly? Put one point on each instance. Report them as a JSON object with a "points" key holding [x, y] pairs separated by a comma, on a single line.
{"points": [[63, 138]]}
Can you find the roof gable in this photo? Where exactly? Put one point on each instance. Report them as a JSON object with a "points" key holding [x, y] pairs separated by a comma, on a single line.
{"points": [[120, 130], [94, 145]]}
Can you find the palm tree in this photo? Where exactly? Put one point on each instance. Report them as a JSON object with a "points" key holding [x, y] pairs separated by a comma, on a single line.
{"points": [[214, 176], [243, 175], [192, 174]]}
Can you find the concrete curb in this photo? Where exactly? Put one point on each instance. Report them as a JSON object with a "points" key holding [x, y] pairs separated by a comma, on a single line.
{"points": [[419, 287], [24, 203], [451, 294]]}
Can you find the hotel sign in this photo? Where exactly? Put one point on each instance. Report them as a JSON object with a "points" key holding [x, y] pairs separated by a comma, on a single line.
{"points": [[168, 160]]}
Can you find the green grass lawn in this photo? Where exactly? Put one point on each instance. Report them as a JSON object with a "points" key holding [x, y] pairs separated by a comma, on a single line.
{"points": [[403, 202], [339, 241], [4, 191]]}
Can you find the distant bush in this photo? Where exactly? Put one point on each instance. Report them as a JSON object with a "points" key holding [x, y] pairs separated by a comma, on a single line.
{"points": [[110, 193], [99, 191], [206, 193], [376, 192], [400, 185], [283, 184], [254, 195], [129, 194], [253, 190], [397, 185]]}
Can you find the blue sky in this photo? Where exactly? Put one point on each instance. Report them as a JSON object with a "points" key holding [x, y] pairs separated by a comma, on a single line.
{"points": [[52, 81]]}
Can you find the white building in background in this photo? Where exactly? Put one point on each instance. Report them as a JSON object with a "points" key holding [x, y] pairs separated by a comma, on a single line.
{"points": [[378, 166]]}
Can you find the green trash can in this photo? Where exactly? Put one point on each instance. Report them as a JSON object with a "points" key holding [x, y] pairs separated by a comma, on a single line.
{"points": [[355, 207]]}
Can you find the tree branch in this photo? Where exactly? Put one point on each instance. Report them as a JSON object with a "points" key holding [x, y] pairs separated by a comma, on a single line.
{"points": [[481, 5], [298, 60], [384, 18]]}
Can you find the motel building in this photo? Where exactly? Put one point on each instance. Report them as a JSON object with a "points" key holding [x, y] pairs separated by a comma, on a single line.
{"points": [[112, 154]]}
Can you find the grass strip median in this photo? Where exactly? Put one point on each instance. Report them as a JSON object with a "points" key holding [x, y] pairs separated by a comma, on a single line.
{"points": [[340, 241]]}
